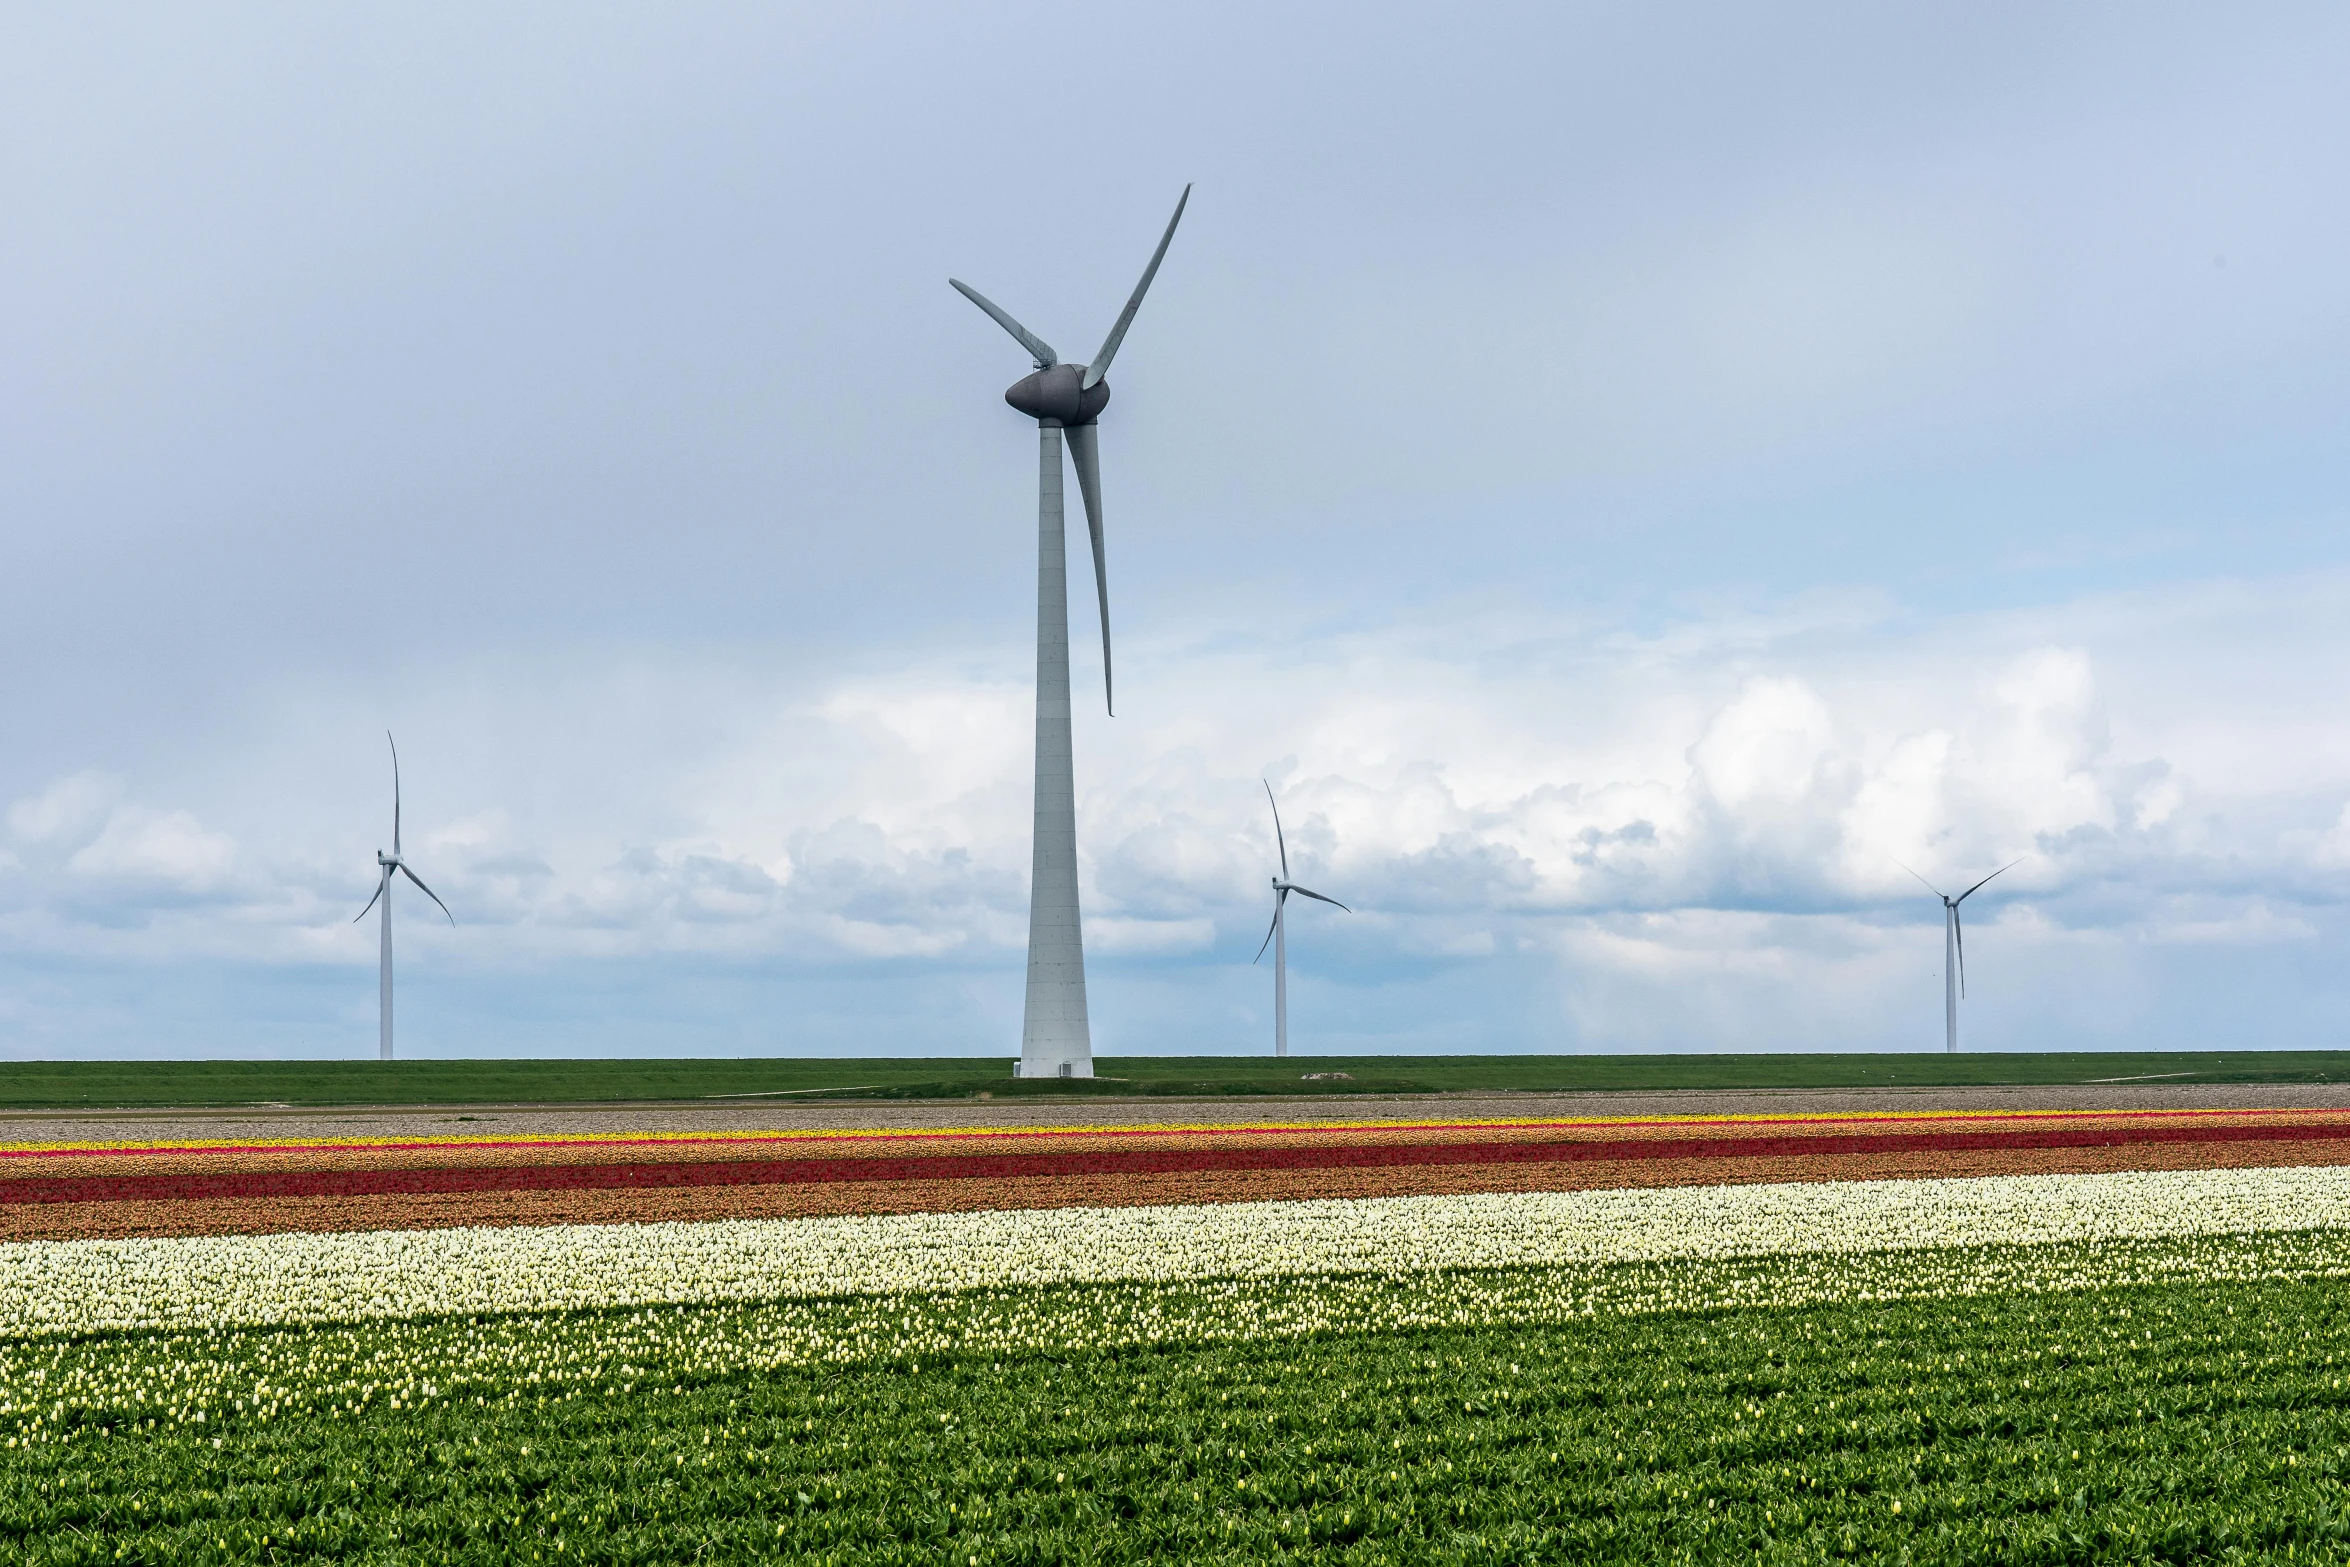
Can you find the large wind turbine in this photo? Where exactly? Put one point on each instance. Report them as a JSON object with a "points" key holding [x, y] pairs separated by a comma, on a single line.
{"points": [[1954, 947], [1055, 1040], [1278, 936], [385, 865]]}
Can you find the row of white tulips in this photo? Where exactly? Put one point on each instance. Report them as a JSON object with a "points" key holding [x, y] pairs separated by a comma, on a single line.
{"points": [[73, 1287], [91, 1388]]}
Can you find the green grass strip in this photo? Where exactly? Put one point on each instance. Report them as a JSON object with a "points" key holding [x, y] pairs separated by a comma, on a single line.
{"points": [[157, 1084], [2166, 1422]]}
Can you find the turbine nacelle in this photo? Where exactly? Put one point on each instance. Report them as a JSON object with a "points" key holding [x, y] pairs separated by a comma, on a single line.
{"points": [[1058, 393]]}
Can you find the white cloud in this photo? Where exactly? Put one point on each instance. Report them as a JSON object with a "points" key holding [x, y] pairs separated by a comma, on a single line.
{"points": [[68, 812], [81, 826], [169, 847], [2258, 925], [1677, 837], [1130, 936], [2333, 849], [1763, 756]]}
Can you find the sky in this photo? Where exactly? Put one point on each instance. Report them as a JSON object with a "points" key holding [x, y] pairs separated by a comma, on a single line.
{"points": [[1631, 479]]}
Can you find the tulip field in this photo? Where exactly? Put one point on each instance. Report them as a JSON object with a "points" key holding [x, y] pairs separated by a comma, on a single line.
{"points": [[2032, 1337]]}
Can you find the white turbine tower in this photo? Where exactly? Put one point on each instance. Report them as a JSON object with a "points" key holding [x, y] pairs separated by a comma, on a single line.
{"points": [[1055, 1039], [1954, 947], [385, 865], [1278, 936]]}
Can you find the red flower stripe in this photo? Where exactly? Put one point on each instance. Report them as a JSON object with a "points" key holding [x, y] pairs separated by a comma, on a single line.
{"points": [[1099, 1162]]}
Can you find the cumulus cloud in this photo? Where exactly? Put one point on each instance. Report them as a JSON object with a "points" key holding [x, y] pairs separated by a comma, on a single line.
{"points": [[69, 811], [1687, 838], [114, 857], [169, 848]]}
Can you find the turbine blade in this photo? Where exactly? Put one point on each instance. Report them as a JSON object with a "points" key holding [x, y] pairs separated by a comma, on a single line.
{"points": [[1279, 841], [1279, 898], [1929, 886], [1310, 893], [1958, 930], [1084, 449], [395, 745], [1971, 891], [427, 891], [1101, 361], [1038, 349], [381, 882]]}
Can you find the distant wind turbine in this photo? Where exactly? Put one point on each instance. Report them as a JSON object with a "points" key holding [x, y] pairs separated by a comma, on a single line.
{"points": [[1055, 1038], [1278, 936], [1954, 946], [385, 865]]}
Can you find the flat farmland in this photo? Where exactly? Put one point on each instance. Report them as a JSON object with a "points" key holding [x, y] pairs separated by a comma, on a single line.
{"points": [[2099, 1324]]}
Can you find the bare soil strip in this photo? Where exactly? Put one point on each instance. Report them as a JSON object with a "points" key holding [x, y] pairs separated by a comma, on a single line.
{"points": [[541, 1206], [1727, 1143]]}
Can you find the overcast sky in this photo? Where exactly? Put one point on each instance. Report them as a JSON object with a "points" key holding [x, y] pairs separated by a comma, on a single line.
{"points": [[1628, 476]]}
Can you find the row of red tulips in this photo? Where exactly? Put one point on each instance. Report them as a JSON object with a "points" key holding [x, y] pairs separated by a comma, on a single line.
{"points": [[1128, 1160]]}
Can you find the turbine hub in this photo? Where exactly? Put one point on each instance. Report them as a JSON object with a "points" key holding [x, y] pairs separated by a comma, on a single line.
{"points": [[1059, 394]]}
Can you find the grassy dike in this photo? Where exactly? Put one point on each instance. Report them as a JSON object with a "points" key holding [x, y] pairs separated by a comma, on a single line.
{"points": [[56, 1085], [2181, 1422]]}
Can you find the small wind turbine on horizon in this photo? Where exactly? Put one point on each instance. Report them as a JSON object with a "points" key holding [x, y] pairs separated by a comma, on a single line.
{"points": [[1954, 947], [1278, 937], [1056, 1039], [386, 864]]}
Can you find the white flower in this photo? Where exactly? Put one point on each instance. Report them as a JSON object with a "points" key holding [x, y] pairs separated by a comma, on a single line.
{"points": [[52, 1288]]}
